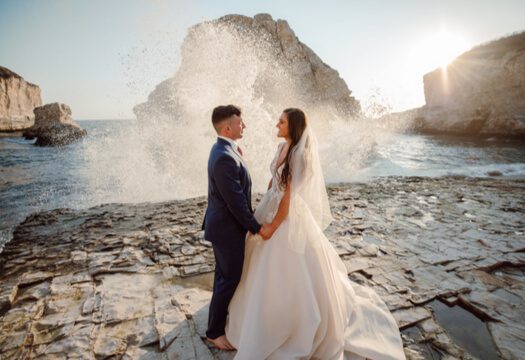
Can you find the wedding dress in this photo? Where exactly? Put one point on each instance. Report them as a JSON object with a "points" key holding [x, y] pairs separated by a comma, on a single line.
{"points": [[294, 300]]}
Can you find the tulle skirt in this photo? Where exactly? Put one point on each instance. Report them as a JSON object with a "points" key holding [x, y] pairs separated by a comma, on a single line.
{"points": [[292, 305]]}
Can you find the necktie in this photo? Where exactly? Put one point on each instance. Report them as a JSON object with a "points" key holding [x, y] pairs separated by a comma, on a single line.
{"points": [[240, 151]]}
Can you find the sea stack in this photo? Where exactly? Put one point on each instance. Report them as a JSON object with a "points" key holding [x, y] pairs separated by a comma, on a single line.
{"points": [[240, 59], [18, 98], [54, 126]]}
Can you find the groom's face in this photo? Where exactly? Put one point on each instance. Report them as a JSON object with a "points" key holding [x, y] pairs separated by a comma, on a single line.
{"points": [[236, 127]]}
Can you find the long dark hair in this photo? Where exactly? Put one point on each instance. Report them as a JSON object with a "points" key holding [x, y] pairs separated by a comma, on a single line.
{"points": [[297, 122]]}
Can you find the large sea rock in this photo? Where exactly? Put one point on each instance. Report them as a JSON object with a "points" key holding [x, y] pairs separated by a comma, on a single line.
{"points": [[481, 93], [54, 126], [244, 60], [18, 98]]}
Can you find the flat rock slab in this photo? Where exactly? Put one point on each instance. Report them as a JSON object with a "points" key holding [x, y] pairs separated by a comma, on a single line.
{"points": [[134, 281], [410, 317]]}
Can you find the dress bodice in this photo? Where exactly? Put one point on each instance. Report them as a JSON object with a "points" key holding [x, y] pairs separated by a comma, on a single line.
{"points": [[269, 204]]}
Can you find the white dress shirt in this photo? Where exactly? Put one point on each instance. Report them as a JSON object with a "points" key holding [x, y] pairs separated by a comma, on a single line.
{"points": [[233, 144]]}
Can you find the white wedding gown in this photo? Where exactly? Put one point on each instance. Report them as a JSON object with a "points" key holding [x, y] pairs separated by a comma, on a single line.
{"points": [[292, 305]]}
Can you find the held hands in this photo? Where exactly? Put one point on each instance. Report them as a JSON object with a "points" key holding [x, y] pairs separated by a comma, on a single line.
{"points": [[266, 231]]}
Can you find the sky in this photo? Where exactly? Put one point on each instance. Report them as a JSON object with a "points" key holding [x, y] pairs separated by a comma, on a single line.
{"points": [[102, 57]]}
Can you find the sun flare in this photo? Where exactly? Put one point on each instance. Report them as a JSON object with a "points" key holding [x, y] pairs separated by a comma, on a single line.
{"points": [[440, 49]]}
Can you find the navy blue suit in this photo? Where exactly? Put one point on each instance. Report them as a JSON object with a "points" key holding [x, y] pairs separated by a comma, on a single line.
{"points": [[228, 218]]}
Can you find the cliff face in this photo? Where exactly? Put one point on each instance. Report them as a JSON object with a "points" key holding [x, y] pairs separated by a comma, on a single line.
{"points": [[238, 59], [18, 98], [482, 93]]}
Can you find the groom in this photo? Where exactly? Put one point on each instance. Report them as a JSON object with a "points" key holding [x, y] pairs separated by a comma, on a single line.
{"points": [[228, 217]]}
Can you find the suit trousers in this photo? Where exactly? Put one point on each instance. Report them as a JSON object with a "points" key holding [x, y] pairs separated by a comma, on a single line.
{"points": [[229, 259]]}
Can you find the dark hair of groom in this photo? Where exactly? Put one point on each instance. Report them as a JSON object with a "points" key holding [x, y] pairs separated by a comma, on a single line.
{"points": [[223, 112]]}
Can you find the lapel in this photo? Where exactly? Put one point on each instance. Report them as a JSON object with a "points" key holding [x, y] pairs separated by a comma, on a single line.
{"points": [[227, 145]]}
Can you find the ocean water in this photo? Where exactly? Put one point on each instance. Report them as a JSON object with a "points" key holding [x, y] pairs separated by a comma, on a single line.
{"points": [[122, 161]]}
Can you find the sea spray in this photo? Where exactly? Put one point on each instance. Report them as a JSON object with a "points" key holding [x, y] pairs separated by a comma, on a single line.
{"points": [[227, 62], [263, 69], [163, 155]]}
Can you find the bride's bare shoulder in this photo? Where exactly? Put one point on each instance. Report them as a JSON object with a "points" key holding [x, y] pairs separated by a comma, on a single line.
{"points": [[280, 147]]}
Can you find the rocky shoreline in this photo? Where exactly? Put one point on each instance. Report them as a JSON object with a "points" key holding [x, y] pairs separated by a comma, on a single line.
{"points": [[132, 281]]}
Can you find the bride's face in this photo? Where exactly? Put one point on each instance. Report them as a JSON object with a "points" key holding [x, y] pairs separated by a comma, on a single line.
{"points": [[282, 125]]}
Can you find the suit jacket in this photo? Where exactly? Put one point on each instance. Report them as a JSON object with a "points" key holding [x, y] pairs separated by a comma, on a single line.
{"points": [[229, 214]]}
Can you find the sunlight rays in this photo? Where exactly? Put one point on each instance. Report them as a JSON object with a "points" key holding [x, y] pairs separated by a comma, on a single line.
{"points": [[437, 50]]}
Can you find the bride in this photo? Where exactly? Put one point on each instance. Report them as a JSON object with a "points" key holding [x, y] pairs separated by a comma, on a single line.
{"points": [[295, 300]]}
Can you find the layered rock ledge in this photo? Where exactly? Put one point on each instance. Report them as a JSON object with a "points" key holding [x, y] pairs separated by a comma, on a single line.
{"points": [[18, 98], [133, 281]]}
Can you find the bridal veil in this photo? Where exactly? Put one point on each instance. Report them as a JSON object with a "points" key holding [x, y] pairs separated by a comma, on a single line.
{"points": [[308, 192]]}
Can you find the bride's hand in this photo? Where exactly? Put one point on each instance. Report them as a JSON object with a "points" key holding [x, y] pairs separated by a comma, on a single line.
{"points": [[266, 231]]}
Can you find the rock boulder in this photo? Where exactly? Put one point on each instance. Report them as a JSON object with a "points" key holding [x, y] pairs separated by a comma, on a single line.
{"points": [[18, 98], [243, 60], [54, 126]]}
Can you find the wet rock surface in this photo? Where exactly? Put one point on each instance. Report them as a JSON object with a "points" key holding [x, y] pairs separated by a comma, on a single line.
{"points": [[123, 281]]}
